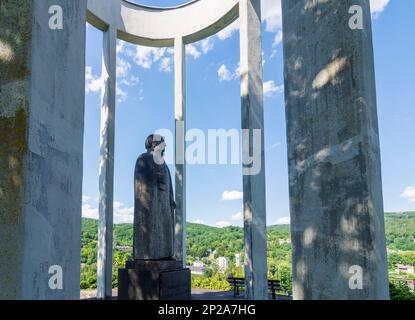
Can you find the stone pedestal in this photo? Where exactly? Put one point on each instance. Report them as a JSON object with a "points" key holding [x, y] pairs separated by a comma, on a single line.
{"points": [[154, 280]]}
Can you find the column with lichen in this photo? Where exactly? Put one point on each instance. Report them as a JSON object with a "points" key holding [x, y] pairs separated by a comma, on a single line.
{"points": [[41, 143]]}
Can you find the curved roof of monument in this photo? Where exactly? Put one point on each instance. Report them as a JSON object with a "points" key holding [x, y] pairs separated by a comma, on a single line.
{"points": [[162, 8], [158, 27]]}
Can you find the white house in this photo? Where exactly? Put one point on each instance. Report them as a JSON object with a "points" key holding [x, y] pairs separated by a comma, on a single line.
{"points": [[198, 267], [238, 259], [404, 268], [223, 264]]}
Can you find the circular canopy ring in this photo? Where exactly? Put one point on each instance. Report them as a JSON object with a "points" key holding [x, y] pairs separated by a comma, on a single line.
{"points": [[158, 27]]}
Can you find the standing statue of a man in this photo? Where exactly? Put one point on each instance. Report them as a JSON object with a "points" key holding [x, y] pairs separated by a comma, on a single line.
{"points": [[154, 204]]}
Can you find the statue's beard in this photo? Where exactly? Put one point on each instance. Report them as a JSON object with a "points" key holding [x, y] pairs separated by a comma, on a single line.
{"points": [[158, 153], [158, 149]]}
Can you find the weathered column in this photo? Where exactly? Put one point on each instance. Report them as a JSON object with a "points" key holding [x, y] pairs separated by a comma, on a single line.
{"points": [[180, 120], [253, 120], [42, 76], [106, 166], [337, 223]]}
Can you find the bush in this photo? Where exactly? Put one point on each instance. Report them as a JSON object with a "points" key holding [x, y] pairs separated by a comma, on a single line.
{"points": [[217, 282], [84, 285], [400, 291]]}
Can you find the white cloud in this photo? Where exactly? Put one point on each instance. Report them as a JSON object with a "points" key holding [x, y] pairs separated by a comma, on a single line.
{"points": [[124, 76], [237, 72], [193, 51], [129, 81], [206, 45], [377, 6], [277, 39], [199, 221], [120, 46], [272, 15], [222, 224], [224, 74], [86, 198], [229, 30], [93, 83], [409, 194], [284, 220], [237, 216], [270, 88], [122, 213], [121, 94], [89, 211], [140, 94], [232, 195], [275, 145], [165, 64], [123, 68], [146, 56]]}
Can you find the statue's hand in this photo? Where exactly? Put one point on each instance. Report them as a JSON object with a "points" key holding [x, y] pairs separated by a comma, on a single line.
{"points": [[173, 204]]}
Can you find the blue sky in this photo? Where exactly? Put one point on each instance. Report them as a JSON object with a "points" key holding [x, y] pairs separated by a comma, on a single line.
{"points": [[145, 103]]}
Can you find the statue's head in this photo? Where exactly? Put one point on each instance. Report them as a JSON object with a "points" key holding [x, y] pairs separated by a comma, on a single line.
{"points": [[155, 142]]}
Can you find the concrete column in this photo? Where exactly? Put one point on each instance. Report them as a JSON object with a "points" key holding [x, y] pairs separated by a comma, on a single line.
{"points": [[180, 121], [42, 85], [106, 166], [253, 181], [337, 223]]}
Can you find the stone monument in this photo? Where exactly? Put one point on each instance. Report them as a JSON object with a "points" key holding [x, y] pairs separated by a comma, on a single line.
{"points": [[154, 274]]}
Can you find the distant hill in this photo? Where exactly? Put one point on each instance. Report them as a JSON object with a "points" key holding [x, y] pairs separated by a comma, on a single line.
{"points": [[207, 242], [400, 234], [400, 231], [201, 239]]}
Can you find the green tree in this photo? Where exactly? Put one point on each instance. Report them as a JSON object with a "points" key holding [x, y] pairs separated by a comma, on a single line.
{"points": [[399, 291]]}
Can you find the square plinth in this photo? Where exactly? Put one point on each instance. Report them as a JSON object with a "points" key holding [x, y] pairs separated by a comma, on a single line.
{"points": [[145, 281]]}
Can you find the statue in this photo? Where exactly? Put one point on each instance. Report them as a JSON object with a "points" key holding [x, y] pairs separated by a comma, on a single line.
{"points": [[154, 274], [154, 204]]}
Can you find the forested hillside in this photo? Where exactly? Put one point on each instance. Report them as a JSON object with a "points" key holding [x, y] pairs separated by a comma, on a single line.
{"points": [[206, 243], [400, 231]]}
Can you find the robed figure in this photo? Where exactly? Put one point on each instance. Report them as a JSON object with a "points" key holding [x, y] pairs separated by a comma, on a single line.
{"points": [[154, 204]]}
